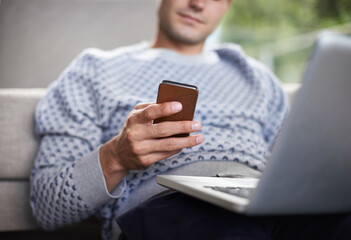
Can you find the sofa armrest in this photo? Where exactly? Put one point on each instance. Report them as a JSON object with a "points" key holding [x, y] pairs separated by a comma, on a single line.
{"points": [[291, 89], [18, 142]]}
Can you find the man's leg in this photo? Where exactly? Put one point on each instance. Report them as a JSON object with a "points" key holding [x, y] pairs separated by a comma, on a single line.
{"points": [[178, 216]]}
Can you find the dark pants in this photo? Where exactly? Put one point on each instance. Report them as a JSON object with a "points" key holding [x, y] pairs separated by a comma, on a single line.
{"points": [[177, 216]]}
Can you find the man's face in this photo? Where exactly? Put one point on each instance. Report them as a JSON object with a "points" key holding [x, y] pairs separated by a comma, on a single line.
{"points": [[191, 21]]}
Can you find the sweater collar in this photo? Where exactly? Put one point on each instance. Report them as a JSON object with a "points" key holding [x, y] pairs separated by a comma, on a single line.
{"points": [[206, 57]]}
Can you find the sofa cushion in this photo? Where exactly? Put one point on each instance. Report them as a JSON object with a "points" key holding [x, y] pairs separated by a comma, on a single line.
{"points": [[14, 206], [18, 142]]}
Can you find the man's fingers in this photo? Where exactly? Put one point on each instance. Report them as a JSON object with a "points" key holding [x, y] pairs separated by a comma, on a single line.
{"points": [[173, 143], [155, 111], [151, 158], [142, 105], [167, 129]]}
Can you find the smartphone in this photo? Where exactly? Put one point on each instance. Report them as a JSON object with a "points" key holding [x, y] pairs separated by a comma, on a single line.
{"points": [[186, 94]]}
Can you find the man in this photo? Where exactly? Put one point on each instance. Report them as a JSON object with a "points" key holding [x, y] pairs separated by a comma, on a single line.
{"points": [[99, 154]]}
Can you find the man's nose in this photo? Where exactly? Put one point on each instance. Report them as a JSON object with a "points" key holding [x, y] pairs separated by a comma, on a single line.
{"points": [[197, 4]]}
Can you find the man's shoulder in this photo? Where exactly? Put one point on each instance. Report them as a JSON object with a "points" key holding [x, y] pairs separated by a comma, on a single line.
{"points": [[229, 49], [254, 70], [235, 54]]}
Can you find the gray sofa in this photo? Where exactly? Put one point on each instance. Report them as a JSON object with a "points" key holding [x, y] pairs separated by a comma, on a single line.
{"points": [[39, 38], [17, 151]]}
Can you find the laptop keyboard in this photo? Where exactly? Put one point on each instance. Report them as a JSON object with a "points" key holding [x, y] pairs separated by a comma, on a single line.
{"points": [[240, 192]]}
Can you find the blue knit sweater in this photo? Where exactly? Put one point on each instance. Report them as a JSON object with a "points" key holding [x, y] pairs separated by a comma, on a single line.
{"points": [[241, 107]]}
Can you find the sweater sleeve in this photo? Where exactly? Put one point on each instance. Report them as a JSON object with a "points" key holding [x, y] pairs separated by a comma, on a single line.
{"points": [[67, 183]]}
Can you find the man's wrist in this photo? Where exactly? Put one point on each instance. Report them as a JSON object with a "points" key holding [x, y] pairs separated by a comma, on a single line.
{"points": [[112, 170]]}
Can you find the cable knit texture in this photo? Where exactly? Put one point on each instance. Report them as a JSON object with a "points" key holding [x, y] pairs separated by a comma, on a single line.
{"points": [[241, 107]]}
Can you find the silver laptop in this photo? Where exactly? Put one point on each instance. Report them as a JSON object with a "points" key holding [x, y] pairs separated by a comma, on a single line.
{"points": [[309, 170]]}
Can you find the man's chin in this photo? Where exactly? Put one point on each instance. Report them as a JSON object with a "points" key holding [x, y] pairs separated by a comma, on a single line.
{"points": [[189, 39], [185, 34]]}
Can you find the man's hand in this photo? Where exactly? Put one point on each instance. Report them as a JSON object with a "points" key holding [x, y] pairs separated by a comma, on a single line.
{"points": [[142, 143]]}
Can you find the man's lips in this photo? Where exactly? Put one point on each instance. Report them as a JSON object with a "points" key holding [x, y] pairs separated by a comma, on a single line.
{"points": [[191, 18]]}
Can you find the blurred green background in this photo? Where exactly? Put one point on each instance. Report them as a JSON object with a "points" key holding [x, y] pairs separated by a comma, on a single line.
{"points": [[281, 33]]}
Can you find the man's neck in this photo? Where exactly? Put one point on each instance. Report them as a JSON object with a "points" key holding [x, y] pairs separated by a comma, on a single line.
{"points": [[163, 41]]}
